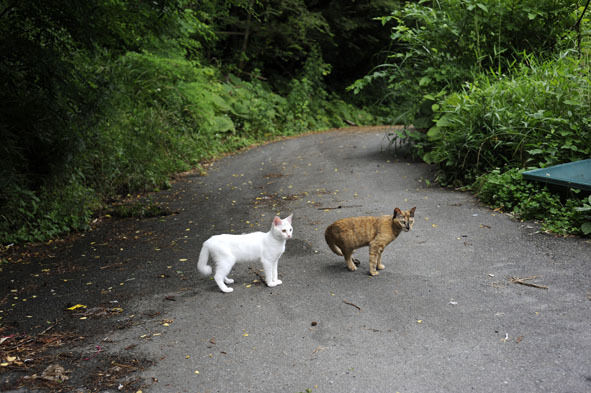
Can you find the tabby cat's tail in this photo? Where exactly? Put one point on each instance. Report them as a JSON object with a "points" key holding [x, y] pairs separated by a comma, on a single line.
{"points": [[331, 243], [202, 265]]}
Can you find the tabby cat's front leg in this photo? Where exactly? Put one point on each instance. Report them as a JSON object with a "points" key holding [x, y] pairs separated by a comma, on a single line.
{"points": [[380, 265], [375, 258]]}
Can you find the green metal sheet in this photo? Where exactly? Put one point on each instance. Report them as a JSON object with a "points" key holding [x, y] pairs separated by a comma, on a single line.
{"points": [[572, 175]]}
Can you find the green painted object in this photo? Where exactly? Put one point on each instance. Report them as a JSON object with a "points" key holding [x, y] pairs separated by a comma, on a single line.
{"points": [[573, 175]]}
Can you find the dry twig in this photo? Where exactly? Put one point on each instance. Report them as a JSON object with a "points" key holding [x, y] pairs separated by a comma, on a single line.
{"points": [[523, 281], [351, 304]]}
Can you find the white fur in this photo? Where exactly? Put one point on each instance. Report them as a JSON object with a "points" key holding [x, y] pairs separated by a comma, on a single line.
{"points": [[226, 250]]}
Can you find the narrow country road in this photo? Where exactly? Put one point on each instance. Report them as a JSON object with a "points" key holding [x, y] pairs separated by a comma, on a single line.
{"points": [[450, 313]]}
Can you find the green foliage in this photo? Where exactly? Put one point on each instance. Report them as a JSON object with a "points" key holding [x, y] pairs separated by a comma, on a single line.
{"points": [[161, 113], [441, 45], [537, 117], [586, 211], [274, 37], [530, 201]]}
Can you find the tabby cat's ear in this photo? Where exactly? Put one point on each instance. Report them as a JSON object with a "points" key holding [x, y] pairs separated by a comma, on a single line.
{"points": [[412, 211], [276, 221], [288, 218], [397, 212]]}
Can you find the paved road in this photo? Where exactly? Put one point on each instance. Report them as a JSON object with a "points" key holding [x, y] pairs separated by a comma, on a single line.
{"points": [[443, 317]]}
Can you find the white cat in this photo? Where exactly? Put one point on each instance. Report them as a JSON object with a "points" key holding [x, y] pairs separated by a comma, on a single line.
{"points": [[226, 250]]}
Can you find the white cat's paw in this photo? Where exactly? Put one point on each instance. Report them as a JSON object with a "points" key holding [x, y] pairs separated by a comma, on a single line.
{"points": [[228, 280], [227, 290], [278, 282], [272, 284]]}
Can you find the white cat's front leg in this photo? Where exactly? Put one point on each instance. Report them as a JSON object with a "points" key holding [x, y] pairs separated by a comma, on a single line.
{"points": [[270, 271], [275, 274]]}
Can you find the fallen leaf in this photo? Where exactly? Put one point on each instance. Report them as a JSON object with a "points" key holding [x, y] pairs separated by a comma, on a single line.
{"points": [[76, 307]]}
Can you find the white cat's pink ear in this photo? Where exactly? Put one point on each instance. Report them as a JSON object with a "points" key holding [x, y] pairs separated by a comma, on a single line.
{"points": [[277, 221], [288, 218]]}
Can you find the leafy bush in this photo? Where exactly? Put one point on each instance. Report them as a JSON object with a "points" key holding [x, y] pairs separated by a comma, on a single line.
{"points": [[438, 46], [586, 212], [508, 191], [537, 117], [161, 114]]}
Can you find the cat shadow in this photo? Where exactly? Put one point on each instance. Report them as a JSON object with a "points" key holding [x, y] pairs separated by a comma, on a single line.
{"points": [[334, 268]]}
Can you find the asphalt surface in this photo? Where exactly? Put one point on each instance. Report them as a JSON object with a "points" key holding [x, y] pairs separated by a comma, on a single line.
{"points": [[444, 316]]}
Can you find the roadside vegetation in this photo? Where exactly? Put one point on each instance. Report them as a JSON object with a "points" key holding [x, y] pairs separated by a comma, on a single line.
{"points": [[495, 88], [101, 99]]}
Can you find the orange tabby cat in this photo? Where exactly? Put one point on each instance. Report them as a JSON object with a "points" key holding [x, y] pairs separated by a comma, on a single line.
{"points": [[347, 234]]}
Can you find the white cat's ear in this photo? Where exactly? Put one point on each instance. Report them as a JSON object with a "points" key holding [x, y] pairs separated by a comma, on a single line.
{"points": [[288, 218], [277, 221]]}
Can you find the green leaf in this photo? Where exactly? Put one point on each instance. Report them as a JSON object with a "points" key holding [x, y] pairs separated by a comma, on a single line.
{"points": [[586, 228], [482, 7], [444, 121], [572, 102], [429, 158], [222, 124], [424, 81], [434, 133]]}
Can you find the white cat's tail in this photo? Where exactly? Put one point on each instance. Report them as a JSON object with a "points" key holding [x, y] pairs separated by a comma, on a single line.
{"points": [[202, 265]]}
